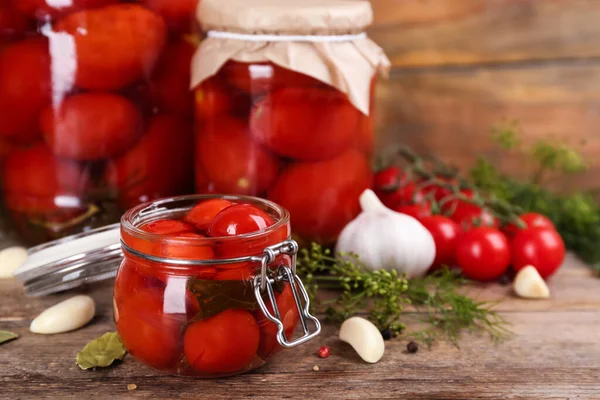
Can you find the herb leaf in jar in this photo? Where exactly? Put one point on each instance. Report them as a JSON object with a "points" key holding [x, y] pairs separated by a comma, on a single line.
{"points": [[216, 296]]}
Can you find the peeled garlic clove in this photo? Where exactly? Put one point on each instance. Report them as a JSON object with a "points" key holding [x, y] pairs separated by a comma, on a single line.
{"points": [[65, 316], [530, 285], [364, 337], [11, 258]]}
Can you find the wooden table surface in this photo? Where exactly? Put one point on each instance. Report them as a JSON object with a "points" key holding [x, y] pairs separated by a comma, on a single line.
{"points": [[554, 355]]}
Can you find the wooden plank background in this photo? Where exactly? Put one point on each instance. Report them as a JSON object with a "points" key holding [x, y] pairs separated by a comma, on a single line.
{"points": [[463, 66]]}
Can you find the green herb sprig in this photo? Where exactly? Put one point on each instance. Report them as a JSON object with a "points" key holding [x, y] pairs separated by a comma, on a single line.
{"points": [[576, 215], [384, 295]]}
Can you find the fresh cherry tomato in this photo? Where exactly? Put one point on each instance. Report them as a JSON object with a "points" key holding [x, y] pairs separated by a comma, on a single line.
{"points": [[281, 120], [483, 253], [239, 219], [157, 166], [288, 312], [417, 211], [231, 160], [202, 215], [530, 220], [148, 331], [92, 126], [538, 246], [445, 233], [438, 192], [328, 197], [115, 46], [470, 216], [25, 89], [222, 344], [167, 227], [394, 188]]}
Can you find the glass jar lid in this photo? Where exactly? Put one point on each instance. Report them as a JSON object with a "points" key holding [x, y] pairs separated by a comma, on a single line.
{"points": [[72, 261]]}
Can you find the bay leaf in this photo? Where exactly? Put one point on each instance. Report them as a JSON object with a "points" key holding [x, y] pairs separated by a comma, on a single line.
{"points": [[6, 336], [101, 352]]}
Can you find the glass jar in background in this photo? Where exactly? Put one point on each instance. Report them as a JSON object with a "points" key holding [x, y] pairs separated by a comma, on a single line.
{"points": [[95, 109], [190, 304], [288, 115]]}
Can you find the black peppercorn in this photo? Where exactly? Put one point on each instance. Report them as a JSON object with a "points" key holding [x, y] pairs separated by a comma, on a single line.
{"points": [[387, 334], [412, 347], [505, 280]]}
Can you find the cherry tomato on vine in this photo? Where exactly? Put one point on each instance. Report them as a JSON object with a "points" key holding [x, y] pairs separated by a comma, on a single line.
{"points": [[445, 233], [224, 343], [394, 188], [531, 220], [538, 246], [483, 253], [469, 217], [438, 192], [417, 211], [202, 215]]}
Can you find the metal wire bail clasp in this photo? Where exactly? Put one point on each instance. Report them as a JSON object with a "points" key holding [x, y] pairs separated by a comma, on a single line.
{"points": [[264, 282]]}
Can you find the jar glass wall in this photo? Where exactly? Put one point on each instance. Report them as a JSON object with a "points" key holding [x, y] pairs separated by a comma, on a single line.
{"points": [[199, 320], [95, 110], [265, 130]]}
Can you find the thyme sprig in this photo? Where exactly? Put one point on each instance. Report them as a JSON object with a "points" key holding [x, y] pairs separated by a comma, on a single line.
{"points": [[385, 294]]}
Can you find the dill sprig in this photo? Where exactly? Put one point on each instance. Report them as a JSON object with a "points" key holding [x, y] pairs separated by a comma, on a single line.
{"points": [[384, 294], [576, 215]]}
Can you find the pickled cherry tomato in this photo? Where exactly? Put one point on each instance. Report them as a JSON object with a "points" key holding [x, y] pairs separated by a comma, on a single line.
{"points": [[33, 179], [149, 332], [42, 9], [25, 89], [190, 251], [12, 24], [179, 14], [222, 344], [244, 272], [288, 312], [115, 46], [202, 215], [170, 90], [232, 161], [92, 126], [258, 79], [159, 165], [327, 198], [284, 118], [167, 227], [239, 219], [213, 100]]}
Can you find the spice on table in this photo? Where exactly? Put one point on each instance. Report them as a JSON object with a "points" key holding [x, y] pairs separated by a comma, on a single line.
{"points": [[387, 334], [412, 347], [323, 352], [316, 368], [131, 386]]}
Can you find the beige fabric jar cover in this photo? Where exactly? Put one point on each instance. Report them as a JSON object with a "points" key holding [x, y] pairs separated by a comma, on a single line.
{"points": [[323, 39]]}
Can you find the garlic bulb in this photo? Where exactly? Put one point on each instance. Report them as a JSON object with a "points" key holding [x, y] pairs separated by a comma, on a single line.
{"points": [[385, 239]]}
